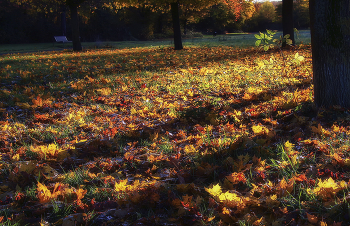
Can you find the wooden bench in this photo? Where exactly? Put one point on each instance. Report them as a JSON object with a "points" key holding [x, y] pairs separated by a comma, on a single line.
{"points": [[61, 39]]}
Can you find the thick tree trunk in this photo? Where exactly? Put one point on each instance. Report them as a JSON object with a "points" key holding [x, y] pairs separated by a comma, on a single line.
{"points": [[287, 20], [176, 25], [75, 28], [330, 38]]}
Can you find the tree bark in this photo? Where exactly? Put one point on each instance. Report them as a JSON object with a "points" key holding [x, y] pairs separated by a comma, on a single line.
{"points": [[330, 40], [75, 27], [185, 26], [176, 25], [287, 20]]}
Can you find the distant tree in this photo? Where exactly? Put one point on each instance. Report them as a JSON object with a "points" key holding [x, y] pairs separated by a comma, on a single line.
{"points": [[63, 20], [193, 8], [235, 6], [287, 21], [267, 12], [56, 5], [224, 16], [330, 30], [175, 8], [73, 7], [217, 19], [176, 25], [301, 14], [242, 10], [264, 16], [247, 10], [48, 5]]}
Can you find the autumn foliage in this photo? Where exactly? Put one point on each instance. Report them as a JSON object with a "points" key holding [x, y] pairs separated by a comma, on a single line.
{"points": [[203, 136]]}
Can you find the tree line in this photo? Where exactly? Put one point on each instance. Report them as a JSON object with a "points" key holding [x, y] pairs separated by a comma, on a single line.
{"points": [[38, 21]]}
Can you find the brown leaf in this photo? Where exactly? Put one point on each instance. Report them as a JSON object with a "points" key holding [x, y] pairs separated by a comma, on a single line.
{"points": [[312, 218]]}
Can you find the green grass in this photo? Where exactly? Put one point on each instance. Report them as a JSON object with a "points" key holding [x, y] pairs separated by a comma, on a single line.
{"points": [[230, 39]]}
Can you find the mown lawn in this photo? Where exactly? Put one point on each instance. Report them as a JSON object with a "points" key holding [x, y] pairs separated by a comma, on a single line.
{"points": [[152, 136], [242, 40]]}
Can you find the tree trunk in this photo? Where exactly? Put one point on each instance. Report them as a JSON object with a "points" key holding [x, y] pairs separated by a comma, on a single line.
{"points": [[63, 20], [287, 20], [75, 28], [330, 40], [185, 26], [176, 25]]}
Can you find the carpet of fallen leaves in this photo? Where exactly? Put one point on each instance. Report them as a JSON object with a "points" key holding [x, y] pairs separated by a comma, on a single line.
{"points": [[153, 136]]}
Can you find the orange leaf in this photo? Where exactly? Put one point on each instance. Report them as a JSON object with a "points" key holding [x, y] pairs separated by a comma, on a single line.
{"points": [[80, 193], [312, 218], [38, 102], [235, 178], [210, 219], [322, 223], [338, 158], [259, 221], [300, 178]]}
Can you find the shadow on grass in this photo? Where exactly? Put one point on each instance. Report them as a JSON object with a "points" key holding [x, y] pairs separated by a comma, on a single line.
{"points": [[183, 154]]}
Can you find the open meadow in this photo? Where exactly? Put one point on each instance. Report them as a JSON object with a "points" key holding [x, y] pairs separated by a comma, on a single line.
{"points": [[209, 135]]}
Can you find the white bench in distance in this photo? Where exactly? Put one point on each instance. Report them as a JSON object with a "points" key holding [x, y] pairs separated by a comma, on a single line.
{"points": [[61, 39]]}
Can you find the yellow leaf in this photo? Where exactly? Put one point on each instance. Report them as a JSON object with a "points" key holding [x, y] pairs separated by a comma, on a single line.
{"points": [[328, 188], [15, 157], [132, 126], [190, 93], [190, 149], [248, 97], [104, 91], [319, 130], [288, 147], [347, 161], [335, 128], [272, 201], [133, 111], [214, 191], [46, 151], [261, 64], [232, 200], [121, 186], [44, 195], [260, 130]]}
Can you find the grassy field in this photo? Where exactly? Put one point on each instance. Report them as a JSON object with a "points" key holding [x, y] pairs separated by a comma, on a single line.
{"points": [[232, 39], [209, 135]]}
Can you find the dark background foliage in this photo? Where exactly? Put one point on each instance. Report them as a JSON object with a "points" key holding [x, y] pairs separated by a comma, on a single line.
{"points": [[24, 24]]}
